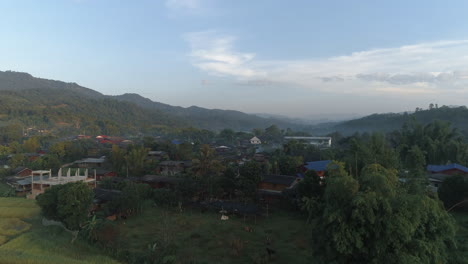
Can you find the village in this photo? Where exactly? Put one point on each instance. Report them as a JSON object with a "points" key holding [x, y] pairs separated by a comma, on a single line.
{"points": [[152, 197]]}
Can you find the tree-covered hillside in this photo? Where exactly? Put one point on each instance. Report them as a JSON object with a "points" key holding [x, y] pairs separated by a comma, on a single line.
{"points": [[457, 116], [212, 119], [65, 112]]}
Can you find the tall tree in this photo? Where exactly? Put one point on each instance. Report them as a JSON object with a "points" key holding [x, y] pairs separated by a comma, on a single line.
{"points": [[372, 220]]}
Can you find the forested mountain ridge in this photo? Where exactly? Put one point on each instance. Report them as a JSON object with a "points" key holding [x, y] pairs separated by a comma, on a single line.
{"points": [[17, 81], [212, 119], [456, 116], [69, 112]]}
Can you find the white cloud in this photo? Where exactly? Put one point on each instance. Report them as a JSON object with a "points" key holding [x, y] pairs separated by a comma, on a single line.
{"points": [[215, 54], [427, 67]]}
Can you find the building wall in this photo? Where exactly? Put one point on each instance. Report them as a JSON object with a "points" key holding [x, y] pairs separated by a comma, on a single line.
{"points": [[271, 186], [24, 173], [452, 172]]}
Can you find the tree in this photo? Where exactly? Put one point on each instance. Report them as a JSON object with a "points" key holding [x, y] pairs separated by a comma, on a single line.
{"points": [[117, 159], [454, 189], [289, 165], [250, 175], [415, 162], [372, 220], [207, 167], [135, 159], [68, 203], [31, 144]]}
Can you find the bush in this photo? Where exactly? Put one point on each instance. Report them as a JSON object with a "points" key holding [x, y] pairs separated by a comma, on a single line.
{"points": [[165, 197], [68, 203], [454, 189]]}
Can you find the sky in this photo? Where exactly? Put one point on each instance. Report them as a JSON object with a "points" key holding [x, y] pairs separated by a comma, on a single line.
{"points": [[298, 58]]}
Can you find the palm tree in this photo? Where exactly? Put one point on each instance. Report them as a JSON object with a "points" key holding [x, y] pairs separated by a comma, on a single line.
{"points": [[207, 167]]}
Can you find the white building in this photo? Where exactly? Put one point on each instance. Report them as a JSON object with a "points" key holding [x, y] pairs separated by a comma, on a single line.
{"points": [[255, 141], [316, 141]]}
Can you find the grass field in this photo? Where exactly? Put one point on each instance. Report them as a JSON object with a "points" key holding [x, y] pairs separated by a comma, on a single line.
{"points": [[204, 238], [23, 239]]}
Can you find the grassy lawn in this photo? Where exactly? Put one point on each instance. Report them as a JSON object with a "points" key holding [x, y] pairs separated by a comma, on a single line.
{"points": [[204, 238], [23, 239]]}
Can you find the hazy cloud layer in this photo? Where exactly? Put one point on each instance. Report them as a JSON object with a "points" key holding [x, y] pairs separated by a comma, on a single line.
{"points": [[421, 68]]}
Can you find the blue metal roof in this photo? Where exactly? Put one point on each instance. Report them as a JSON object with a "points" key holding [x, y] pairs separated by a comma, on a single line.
{"points": [[317, 165], [439, 168], [176, 142], [27, 180]]}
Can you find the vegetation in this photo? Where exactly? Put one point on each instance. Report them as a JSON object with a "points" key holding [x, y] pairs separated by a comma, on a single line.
{"points": [[194, 237], [372, 220], [67, 203], [23, 239]]}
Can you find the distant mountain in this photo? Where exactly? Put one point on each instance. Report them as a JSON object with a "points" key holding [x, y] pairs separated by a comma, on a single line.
{"points": [[213, 119], [51, 92], [457, 116], [17, 81]]}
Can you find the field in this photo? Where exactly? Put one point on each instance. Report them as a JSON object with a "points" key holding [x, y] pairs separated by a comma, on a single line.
{"points": [[197, 237], [23, 239]]}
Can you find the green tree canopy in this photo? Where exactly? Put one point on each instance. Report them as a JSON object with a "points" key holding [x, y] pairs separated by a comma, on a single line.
{"points": [[372, 220]]}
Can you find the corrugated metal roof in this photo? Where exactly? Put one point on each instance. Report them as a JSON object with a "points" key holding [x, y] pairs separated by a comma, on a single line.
{"points": [[279, 179], [439, 168], [317, 165]]}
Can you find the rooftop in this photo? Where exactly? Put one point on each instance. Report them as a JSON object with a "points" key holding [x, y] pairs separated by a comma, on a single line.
{"points": [[317, 165], [279, 179], [440, 168]]}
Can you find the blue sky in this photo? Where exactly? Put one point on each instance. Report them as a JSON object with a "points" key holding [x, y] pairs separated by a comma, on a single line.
{"points": [[296, 58]]}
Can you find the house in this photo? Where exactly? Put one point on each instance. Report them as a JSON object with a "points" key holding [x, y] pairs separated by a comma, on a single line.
{"points": [[172, 167], [449, 169], [260, 157], [222, 149], [318, 166], [324, 142], [32, 156], [104, 173], [45, 180], [275, 184], [436, 180], [22, 172], [160, 181], [91, 162], [255, 141], [156, 155], [102, 195]]}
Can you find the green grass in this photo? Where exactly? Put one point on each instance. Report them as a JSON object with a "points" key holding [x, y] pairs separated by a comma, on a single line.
{"points": [[12, 226], [204, 238], [23, 239]]}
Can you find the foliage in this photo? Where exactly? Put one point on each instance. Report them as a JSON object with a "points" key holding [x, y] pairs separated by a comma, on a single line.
{"points": [[6, 190], [29, 242], [290, 165], [453, 190], [132, 199], [68, 203], [371, 220], [249, 177], [165, 197], [207, 168]]}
